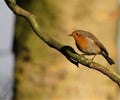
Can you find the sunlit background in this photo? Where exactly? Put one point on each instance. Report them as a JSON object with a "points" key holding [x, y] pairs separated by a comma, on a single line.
{"points": [[6, 54]]}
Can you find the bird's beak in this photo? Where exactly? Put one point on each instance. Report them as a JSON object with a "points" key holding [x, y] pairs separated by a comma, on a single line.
{"points": [[70, 35]]}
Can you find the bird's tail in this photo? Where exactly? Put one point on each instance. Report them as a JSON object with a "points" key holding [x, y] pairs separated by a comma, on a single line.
{"points": [[110, 61]]}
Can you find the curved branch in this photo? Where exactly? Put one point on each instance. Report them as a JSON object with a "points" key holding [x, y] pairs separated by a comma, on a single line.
{"points": [[67, 51]]}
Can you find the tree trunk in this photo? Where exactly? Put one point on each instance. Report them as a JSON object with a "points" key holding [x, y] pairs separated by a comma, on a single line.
{"points": [[41, 73]]}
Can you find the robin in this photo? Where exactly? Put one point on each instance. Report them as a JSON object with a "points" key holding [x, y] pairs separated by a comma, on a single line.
{"points": [[90, 45]]}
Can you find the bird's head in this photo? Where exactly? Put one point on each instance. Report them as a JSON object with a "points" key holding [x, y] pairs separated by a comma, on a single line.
{"points": [[76, 33]]}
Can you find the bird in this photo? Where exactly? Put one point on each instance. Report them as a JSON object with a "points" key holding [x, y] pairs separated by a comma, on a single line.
{"points": [[88, 43]]}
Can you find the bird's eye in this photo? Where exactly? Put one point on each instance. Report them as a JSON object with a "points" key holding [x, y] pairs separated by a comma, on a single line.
{"points": [[77, 34]]}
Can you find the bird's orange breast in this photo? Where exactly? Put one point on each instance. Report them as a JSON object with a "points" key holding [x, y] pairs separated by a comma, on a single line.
{"points": [[81, 42]]}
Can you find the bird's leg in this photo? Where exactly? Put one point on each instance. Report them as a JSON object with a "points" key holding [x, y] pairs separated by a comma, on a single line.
{"points": [[88, 55], [93, 57], [83, 55]]}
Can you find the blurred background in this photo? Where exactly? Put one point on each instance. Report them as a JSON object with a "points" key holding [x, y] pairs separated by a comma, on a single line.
{"points": [[30, 70]]}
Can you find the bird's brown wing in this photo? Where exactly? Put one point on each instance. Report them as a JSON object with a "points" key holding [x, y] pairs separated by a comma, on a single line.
{"points": [[102, 47], [98, 43]]}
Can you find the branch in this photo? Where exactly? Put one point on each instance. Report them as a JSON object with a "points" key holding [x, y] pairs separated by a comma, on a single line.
{"points": [[67, 51]]}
